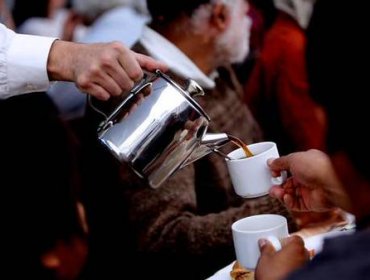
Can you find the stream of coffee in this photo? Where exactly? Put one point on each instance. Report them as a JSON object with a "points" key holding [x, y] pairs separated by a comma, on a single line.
{"points": [[241, 144]]}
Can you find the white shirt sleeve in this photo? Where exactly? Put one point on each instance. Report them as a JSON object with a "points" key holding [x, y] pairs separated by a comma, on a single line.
{"points": [[23, 63]]}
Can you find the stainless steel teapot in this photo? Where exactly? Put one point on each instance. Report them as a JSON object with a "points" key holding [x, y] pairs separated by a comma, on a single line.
{"points": [[159, 128]]}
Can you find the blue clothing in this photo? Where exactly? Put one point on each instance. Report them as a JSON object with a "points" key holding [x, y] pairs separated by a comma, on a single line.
{"points": [[122, 24]]}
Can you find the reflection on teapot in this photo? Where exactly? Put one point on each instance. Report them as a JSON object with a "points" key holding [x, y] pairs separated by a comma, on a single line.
{"points": [[159, 128]]}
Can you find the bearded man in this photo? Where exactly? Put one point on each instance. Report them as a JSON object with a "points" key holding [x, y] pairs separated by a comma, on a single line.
{"points": [[183, 229]]}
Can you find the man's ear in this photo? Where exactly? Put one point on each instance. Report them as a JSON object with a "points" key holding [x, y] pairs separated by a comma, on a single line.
{"points": [[220, 17]]}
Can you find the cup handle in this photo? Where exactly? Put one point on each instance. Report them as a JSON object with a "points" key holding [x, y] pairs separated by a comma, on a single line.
{"points": [[281, 179], [274, 241]]}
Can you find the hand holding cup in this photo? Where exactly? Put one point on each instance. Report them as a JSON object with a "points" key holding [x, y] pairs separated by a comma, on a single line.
{"points": [[248, 231]]}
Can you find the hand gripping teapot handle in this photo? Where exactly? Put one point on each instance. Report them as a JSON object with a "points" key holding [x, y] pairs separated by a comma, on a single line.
{"points": [[108, 118]]}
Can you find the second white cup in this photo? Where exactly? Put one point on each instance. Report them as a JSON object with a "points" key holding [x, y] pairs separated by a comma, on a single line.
{"points": [[247, 231]]}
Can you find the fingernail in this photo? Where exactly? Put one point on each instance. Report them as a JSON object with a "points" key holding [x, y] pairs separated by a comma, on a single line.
{"points": [[262, 242], [269, 161]]}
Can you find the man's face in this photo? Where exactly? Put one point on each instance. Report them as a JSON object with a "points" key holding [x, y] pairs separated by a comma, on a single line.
{"points": [[233, 44]]}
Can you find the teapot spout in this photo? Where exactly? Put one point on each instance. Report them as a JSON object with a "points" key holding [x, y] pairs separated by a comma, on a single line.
{"points": [[214, 140], [208, 143]]}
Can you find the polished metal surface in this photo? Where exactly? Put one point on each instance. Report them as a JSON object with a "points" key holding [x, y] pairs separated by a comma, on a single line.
{"points": [[159, 128]]}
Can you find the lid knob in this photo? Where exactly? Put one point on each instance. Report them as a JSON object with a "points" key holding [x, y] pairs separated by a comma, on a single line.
{"points": [[194, 89]]}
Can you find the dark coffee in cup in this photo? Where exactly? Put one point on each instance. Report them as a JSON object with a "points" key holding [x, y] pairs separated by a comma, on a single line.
{"points": [[237, 141]]}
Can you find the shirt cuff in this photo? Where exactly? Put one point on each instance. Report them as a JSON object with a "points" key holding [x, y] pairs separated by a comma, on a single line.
{"points": [[27, 63]]}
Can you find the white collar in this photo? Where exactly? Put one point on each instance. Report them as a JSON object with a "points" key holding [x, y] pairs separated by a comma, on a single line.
{"points": [[300, 10], [163, 50]]}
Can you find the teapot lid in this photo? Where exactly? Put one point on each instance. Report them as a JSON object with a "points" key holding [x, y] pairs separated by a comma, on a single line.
{"points": [[185, 93]]}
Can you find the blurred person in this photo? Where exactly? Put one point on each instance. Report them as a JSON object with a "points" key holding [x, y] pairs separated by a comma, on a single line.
{"points": [[43, 225], [42, 17], [262, 14], [23, 10], [277, 90], [341, 179], [181, 230], [109, 20], [103, 18], [101, 70]]}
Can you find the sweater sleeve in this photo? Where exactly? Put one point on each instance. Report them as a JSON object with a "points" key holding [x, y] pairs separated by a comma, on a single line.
{"points": [[171, 220]]}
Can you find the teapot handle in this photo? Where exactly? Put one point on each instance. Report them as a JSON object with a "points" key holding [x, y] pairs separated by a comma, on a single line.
{"points": [[108, 118], [90, 103]]}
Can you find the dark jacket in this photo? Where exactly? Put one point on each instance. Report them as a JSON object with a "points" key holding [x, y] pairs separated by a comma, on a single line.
{"points": [[342, 258]]}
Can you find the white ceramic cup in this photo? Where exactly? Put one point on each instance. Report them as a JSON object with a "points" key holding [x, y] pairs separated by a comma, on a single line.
{"points": [[247, 231], [250, 176]]}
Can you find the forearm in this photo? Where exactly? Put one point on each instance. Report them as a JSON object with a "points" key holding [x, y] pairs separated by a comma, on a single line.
{"points": [[169, 218], [195, 234]]}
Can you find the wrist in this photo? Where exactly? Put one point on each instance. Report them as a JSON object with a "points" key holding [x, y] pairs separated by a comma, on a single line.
{"points": [[58, 65]]}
